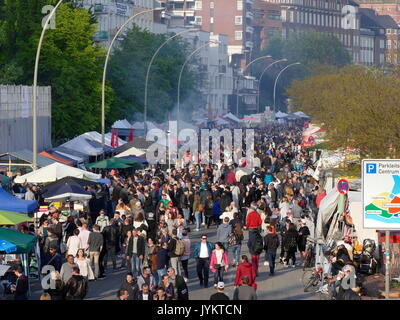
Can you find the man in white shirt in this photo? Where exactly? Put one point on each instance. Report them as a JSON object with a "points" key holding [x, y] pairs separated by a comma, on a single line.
{"points": [[202, 254]]}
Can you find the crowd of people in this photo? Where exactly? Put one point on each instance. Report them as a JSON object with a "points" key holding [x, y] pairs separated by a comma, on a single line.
{"points": [[147, 223]]}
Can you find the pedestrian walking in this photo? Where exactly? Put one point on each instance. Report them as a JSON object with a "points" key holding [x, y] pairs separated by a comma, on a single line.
{"points": [[291, 245], [219, 295], [95, 243], [271, 244], [244, 291], [245, 269], [202, 253]]}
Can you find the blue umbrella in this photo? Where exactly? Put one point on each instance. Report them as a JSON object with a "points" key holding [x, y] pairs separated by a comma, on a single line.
{"points": [[7, 246], [104, 180]]}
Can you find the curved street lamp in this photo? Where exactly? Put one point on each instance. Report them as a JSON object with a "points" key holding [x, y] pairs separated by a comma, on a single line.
{"points": [[262, 74], [103, 97], [237, 80], [276, 80], [183, 67], [35, 76], [148, 71]]}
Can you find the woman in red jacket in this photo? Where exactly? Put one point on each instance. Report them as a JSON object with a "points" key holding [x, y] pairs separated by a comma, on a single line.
{"points": [[245, 269]]}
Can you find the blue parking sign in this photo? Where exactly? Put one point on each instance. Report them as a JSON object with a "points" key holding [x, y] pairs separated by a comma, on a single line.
{"points": [[370, 167]]}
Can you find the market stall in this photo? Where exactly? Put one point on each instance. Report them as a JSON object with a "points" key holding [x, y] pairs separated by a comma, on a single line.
{"points": [[10, 203]]}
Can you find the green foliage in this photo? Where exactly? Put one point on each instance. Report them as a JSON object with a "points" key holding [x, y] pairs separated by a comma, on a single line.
{"points": [[127, 73], [316, 52], [69, 62], [357, 106]]}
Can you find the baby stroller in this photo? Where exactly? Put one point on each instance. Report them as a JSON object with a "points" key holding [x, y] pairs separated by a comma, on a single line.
{"points": [[368, 264]]}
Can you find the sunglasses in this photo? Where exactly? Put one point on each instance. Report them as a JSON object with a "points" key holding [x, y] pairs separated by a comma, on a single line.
{"points": [[203, 238]]}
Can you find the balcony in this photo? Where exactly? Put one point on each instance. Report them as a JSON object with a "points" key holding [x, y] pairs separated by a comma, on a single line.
{"points": [[249, 29], [249, 15], [100, 36], [249, 44], [100, 8]]}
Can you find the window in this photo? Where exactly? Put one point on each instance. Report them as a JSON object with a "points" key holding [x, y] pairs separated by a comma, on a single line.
{"points": [[238, 20], [212, 20], [238, 35], [239, 5], [198, 20], [274, 14], [198, 5], [211, 5]]}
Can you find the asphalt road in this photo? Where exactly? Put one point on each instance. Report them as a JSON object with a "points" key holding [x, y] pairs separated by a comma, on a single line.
{"points": [[285, 284]]}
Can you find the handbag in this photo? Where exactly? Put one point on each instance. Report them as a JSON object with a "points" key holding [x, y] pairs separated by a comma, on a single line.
{"points": [[217, 266], [232, 239]]}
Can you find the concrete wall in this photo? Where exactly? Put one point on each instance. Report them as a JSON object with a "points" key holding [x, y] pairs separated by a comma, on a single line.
{"points": [[16, 123]]}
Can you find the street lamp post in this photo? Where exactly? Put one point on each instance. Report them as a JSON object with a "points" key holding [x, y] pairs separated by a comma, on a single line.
{"points": [[276, 80], [262, 74], [148, 71], [103, 96], [183, 67], [237, 81], [35, 76]]}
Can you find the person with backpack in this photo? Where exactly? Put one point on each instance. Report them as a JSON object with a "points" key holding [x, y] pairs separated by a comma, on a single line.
{"points": [[256, 246], [209, 210], [237, 238], [223, 232], [290, 244], [202, 253], [219, 263], [76, 287], [111, 236], [176, 249], [271, 244]]}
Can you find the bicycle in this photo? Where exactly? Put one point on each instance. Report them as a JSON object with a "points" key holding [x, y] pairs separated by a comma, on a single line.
{"points": [[309, 260], [312, 280]]}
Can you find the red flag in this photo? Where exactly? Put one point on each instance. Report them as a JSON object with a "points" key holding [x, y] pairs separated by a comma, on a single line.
{"points": [[116, 139], [131, 135], [112, 138]]}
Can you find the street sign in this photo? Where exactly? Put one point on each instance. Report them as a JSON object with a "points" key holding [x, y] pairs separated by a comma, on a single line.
{"points": [[343, 186], [381, 194], [311, 139]]}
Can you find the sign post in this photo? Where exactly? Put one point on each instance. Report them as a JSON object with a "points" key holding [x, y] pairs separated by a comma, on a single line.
{"points": [[381, 201]]}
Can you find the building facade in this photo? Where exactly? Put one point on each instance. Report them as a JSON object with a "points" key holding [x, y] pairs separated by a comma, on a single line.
{"points": [[16, 122]]}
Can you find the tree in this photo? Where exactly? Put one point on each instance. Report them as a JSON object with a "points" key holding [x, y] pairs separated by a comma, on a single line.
{"points": [[311, 49], [128, 67], [357, 106], [70, 62]]}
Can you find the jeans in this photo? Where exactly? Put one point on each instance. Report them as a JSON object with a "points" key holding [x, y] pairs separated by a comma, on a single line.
{"points": [[271, 255], [156, 277], [203, 270], [226, 246], [160, 273], [175, 263], [219, 275], [94, 259], [110, 251], [236, 249], [136, 265], [186, 214], [197, 215], [290, 255], [255, 259], [185, 267]]}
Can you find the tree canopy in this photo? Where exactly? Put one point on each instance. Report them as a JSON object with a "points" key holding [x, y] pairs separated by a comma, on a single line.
{"points": [[70, 62], [127, 74], [357, 106]]}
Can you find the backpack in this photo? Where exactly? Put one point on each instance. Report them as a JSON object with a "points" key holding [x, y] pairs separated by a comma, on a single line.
{"points": [[258, 244], [179, 248]]}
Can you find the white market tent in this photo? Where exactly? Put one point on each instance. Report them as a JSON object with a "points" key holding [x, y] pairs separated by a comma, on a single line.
{"points": [[221, 121], [82, 145], [70, 196], [281, 114], [131, 152], [55, 172], [232, 117], [121, 124], [95, 136], [301, 114], [139, 125]]}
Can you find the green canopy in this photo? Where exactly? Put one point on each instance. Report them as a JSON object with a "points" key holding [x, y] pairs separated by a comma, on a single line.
{"points": [[115, 163], [11, 218], [24, 242]]}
